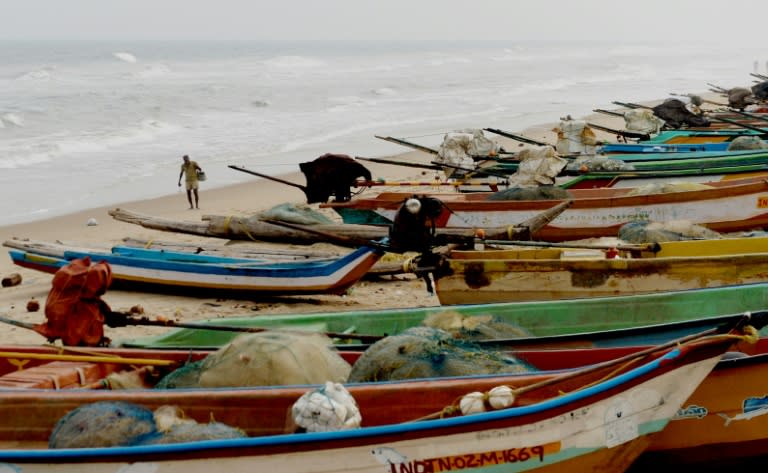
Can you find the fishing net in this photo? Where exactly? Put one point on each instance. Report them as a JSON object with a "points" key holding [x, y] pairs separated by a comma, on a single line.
{"points": [[747, 143], [477, 327], [187, 376], [423, 352], [174, 427], [667, 187], [596, 163], [531, 193], [575, 137], [264, 359], [118, 423], [653, 232], [298, 214], [103, 424]]}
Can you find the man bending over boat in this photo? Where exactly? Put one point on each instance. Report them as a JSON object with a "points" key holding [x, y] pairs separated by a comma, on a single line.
{"points": [[191, 170]]}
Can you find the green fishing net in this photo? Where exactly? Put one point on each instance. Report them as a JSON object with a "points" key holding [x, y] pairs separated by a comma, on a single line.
{"points": [[424, 352]]}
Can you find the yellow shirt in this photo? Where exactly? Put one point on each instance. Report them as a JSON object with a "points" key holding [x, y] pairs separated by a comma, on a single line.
{"points": [[190, 172]]}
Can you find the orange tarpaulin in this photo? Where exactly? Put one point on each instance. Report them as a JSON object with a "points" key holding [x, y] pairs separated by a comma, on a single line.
{"points": [[74, 310]]}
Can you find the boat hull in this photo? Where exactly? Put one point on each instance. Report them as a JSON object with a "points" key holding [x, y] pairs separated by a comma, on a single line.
{"points": [[729, 206], [599, 426], [511, 276]]}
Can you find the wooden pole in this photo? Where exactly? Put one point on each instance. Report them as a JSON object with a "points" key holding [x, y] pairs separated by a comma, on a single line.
{"points": [[271, 178]]}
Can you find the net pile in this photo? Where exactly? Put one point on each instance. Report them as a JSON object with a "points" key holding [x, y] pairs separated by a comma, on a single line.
{"points": [[424, 352], [477, 327], [654, 232], [264, 359], [123, 424], [531, 193]]}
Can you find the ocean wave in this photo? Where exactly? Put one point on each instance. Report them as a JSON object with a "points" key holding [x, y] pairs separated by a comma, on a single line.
{"points": [[388, 91], [45, 73], [154, 70], [293, 62], [11, 119], [260, 103], [126, 57], [449, 60]]}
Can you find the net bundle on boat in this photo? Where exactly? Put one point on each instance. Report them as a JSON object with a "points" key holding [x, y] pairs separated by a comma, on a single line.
{"points": [[424, 352], [475, 327], [674, 230], [123, 424], [531, 193], [264, 359]]}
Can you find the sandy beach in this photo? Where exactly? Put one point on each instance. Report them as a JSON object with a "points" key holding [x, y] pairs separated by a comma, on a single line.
{"points": [[237, 200]]}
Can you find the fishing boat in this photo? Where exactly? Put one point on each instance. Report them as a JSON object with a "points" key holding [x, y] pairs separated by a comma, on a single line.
{"points": [[723, 206], [598, 417], [527, 274], [619, 320], [157, 269]]}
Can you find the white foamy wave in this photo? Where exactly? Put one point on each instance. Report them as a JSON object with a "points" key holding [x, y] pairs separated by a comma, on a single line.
{"points": [[155, 70], [127, 57], [146, 131], [449, 60], [17, 161], [384, 91], [293, 62], [38, 74], [11, 119], [544, 85]]}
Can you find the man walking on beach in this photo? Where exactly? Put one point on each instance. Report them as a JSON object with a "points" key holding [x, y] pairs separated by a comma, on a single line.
{"points": [[190, 168]]}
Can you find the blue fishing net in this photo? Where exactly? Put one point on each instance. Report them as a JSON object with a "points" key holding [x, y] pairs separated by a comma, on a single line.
{"points": [[103, 424]]}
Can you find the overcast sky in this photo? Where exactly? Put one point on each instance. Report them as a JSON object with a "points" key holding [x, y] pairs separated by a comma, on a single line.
{"points": [[732, 20]]}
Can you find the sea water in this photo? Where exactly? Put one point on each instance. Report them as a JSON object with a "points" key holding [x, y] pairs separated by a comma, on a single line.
{"points": [[87, 124]]}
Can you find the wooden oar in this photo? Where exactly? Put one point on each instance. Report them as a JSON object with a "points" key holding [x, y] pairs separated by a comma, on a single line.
{"points": [[85, 358], [739, 124], [516, 137], [400, 163], [400, 141], [266, 176], [625, 133]]}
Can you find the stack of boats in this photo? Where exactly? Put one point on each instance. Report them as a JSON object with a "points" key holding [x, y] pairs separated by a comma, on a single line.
{"points": [[639, 354]]}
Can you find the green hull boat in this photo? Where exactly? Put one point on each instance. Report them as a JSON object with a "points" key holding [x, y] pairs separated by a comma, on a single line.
{"points": [[563, 318]]}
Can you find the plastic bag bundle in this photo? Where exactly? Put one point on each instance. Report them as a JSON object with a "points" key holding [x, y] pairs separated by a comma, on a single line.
{"points": [[423, 352], [642, 120], [654, 232], [326, 409], [103, 424]]}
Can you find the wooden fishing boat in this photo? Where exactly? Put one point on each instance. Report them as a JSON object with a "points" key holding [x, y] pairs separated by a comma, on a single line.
{"points": [[726, 206], [171, 270], [526, 274], [600, 417], [586, 323]]}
